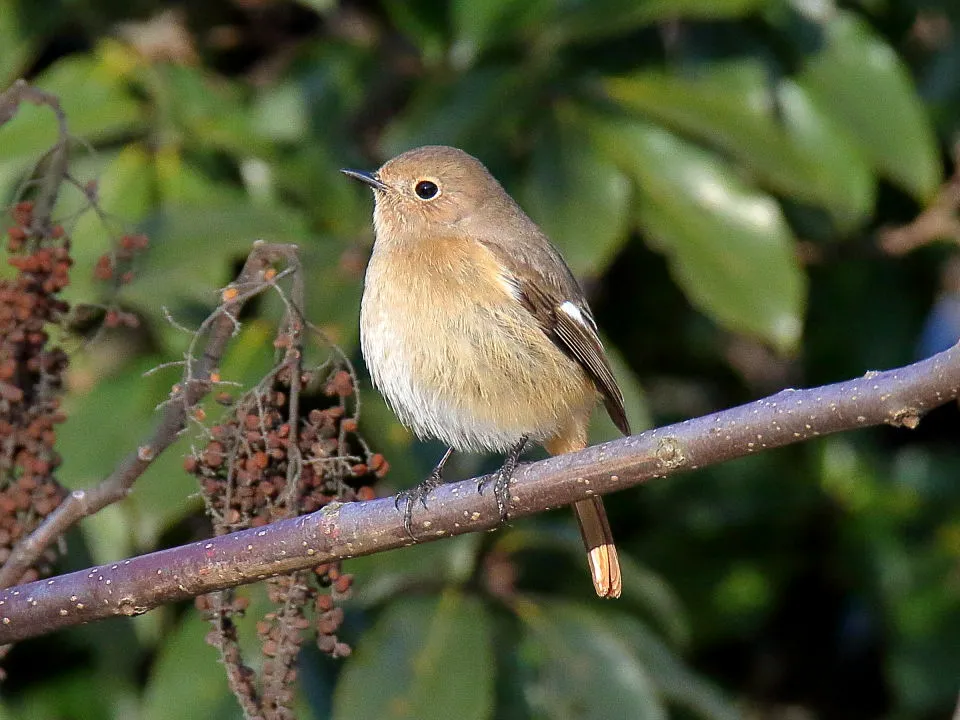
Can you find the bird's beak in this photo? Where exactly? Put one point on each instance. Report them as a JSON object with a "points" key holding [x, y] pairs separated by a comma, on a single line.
{"points": [[367, 178]]}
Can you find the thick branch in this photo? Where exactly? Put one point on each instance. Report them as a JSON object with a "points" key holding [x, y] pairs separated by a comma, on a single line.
{"points": [[338, 531], [196, 383]]}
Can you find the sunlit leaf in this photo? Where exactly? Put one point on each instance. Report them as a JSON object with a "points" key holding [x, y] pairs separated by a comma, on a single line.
{"points": [[424, 658], [836, 167], [320, 6], [729, 246], [280, 113], [859, 80], [94, 96], [93, 91], [780, 135]]}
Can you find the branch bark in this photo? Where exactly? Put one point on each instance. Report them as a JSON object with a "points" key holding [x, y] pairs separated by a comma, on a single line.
{"points": [[339, 531]]}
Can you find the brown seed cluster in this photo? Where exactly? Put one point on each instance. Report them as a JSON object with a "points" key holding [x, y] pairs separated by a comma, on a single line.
{"points": [[245, 468], [31, 378], [260, 465], [117, 267]]}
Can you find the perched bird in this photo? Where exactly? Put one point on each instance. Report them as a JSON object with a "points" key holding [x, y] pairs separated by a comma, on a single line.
{"points": [[475, 330]]}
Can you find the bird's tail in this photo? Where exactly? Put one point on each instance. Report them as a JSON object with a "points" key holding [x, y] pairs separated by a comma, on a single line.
{"points": [[592, 518], [601, 552]]}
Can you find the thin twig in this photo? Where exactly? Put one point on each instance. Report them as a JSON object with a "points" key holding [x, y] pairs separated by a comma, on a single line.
{"points": [[240, 686], [56, 172], [339, 531], [940, 220]]}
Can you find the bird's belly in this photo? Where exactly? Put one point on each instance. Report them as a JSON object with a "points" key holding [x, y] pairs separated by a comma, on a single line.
{"points": [[476, 375]]}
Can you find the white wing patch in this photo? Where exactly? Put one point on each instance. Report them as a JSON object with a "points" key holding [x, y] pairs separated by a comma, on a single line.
{"points": [[577, 315], [509, 283], [573, 311]]}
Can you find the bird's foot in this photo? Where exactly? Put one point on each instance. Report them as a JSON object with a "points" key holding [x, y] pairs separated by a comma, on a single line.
{"points": [[501, 490], [410, 497], [501, 482]]}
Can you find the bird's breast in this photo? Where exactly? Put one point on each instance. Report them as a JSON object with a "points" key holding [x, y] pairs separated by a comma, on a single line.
{"points": [[456, 354]]}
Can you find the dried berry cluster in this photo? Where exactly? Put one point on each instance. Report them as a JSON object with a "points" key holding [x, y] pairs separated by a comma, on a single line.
{"points": [[117, 267], [243, 470], [31, 378], [261, 465]]}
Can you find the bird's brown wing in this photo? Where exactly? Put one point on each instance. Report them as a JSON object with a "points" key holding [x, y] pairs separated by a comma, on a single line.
{"points": [[548, 290]]}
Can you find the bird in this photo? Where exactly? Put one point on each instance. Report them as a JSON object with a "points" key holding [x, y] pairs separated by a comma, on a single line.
{"points": [[477, 333]]}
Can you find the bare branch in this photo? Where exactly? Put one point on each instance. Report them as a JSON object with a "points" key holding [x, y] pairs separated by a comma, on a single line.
{"points": [[940, 220], [338, 531], [220, 328]]}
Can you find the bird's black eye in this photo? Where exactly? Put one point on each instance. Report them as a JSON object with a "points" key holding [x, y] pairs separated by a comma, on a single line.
{"points": [[426, 190]]}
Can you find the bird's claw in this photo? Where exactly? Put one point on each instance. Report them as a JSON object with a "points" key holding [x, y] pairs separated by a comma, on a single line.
{"points": [[501, 490], [410, 497]]}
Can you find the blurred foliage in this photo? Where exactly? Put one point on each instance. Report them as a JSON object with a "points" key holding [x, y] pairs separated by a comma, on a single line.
{"points": [[715, 171]]}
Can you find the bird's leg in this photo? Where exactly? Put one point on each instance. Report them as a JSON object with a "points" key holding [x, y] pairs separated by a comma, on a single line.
{"points": [[501, 486], [419, 492]]}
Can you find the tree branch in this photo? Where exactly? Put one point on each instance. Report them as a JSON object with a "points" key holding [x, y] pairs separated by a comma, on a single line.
{"points": [[131, 587]]}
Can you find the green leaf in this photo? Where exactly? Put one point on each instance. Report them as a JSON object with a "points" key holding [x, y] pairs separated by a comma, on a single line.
{"points": [[861, 82], [424, 658], [321, 7], [185, 654], [643, 588], [675, 681], [15, 47], [780, 135], [333, 290], [424, 23], [654, 594], [225, 231], [836, 169], [124, 191], [93, 93], [206, 112], [82, 694], [422, 565], [122, 404], [481, 24], [280, 113], [335, 204], [578, 197], [467, 112], [577, 20], [583, 668], [729, 246]]}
